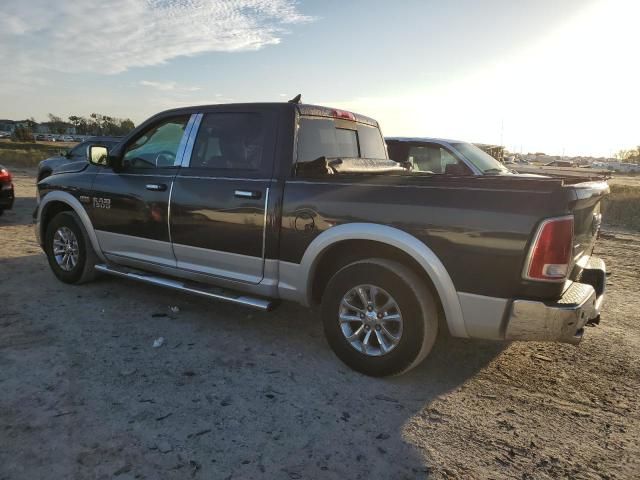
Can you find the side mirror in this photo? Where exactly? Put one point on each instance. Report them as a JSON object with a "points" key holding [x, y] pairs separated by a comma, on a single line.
{"points": [[98, 155]]}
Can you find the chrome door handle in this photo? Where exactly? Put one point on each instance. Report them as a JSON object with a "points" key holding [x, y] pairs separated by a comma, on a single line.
{"points": [[156, 187], [247, 194]]}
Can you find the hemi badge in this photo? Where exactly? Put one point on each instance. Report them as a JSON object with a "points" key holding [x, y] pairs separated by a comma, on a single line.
{"points": [[85, 199]]}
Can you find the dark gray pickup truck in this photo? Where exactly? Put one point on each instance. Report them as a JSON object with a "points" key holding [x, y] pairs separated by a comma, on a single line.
{"points": [[253, 203]]}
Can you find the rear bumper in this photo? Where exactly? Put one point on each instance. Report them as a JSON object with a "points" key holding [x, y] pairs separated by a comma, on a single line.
{"points": [[563, 320]]}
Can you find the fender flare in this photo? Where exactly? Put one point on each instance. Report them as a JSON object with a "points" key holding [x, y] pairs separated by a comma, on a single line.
{"points": [[394, 237], [76, 206]]}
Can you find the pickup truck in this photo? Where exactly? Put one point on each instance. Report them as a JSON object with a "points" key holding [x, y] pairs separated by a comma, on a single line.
{"points": [[256, 203]]}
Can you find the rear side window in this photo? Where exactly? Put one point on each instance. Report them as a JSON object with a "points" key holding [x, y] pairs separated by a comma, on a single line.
{"points": [[324, 137], [229, 141]]}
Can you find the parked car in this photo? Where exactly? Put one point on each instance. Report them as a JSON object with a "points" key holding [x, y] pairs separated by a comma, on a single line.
{"points": [[7, 194], [441, 156], [76, 154], [261, 202]]}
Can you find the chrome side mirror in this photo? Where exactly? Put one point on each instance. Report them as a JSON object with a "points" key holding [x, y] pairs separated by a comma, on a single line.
{"points": [[98, 155]]}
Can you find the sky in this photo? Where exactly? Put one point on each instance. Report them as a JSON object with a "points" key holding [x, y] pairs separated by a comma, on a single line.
{"points": [[557, 76]]}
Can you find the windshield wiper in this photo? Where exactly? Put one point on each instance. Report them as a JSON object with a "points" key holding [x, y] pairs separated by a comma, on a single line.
{"points": [[495, 170]]}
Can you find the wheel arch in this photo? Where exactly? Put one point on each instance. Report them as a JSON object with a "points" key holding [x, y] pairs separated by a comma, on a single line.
{"points": [[44, 173], [59, 201], [298, 281]]}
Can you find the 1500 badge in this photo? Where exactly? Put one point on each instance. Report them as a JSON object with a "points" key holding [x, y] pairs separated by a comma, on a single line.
{"points": [[101, 202]]}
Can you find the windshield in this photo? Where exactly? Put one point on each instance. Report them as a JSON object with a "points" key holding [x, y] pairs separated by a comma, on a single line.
{"points": [[480, 159]]}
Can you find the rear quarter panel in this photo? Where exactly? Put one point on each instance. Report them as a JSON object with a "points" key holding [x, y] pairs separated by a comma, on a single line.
{"points": [[481, 233]]}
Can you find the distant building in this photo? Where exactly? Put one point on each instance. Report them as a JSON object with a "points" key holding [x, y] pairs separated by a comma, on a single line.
{"points": [[11, 125]]}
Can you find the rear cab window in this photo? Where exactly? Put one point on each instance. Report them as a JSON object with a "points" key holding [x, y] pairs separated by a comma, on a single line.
{"points": [[337, 138]]}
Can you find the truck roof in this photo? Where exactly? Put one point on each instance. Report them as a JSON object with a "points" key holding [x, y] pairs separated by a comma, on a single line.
{"points": [[422, 139], [303, 109]]}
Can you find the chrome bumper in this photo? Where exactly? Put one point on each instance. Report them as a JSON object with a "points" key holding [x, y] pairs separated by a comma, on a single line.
{"points": [[564, 320]]}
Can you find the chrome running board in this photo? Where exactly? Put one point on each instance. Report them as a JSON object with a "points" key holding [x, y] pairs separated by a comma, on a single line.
{"points": [[189, 287]]}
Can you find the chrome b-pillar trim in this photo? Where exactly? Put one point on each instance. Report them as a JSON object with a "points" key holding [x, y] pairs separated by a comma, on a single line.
{"points": [[183, 141], [186, 156], [264, 224]]}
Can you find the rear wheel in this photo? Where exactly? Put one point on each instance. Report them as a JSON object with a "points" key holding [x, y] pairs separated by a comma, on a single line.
{"points": [[380, 318], [68, 248]]}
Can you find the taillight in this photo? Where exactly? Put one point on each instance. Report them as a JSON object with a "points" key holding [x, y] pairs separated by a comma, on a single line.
{"points": [[550, 253], [5, 176], [344, 114]]}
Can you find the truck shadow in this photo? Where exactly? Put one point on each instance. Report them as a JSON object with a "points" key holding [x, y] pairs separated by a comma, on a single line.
{"points": [[304, 410], [271, 398]]}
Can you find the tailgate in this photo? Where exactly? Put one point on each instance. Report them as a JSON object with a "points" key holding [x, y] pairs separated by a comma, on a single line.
{"points": [[587, 216]]}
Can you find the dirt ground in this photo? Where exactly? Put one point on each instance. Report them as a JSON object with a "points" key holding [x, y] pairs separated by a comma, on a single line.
{"points": [[236, 394]]}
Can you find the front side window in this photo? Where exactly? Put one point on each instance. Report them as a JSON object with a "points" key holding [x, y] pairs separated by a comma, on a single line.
{"points": [[158, 146], [434, 158], [229, 141]]}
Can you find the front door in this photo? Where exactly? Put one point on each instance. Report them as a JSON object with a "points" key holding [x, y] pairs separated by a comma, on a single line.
{"points": [[220, 195], [130, 208]]}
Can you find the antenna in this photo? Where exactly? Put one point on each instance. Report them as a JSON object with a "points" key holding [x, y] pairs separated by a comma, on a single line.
{"points": [[296, 99]]}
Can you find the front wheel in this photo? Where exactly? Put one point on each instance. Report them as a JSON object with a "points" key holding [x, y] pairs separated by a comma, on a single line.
{"points": [[380, 318], [68, 248]]}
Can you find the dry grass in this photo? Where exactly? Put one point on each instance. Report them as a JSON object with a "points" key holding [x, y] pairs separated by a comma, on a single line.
{"points": [[25, 154], [622, 207]]}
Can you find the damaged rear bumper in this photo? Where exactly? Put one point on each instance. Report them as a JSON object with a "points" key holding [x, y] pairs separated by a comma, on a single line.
{"points": [[563, 320]]}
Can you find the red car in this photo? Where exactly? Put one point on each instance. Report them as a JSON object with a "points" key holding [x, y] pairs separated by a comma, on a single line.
{"points": [[7, 194]]}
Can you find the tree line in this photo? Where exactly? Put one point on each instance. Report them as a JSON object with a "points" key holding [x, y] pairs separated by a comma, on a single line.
{"points": [[631, 155], [94, 124]]}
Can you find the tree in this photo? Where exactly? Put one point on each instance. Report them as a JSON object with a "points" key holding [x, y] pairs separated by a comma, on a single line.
{"points": [[56, 123], [74, 120], [632, 155], [23, 134]]}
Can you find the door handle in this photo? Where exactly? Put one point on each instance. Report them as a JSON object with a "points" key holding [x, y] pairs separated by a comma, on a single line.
{"points": [[247, 194], [156, 187]]}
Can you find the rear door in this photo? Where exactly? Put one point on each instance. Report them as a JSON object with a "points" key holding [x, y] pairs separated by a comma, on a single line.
{"points": [[130, 207], [220, 195]]}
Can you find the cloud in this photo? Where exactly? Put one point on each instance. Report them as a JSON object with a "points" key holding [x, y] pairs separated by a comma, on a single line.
{"points": [[112, 36], [168, 86]]}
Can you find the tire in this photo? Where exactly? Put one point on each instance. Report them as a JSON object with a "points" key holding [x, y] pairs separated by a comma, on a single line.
{"points": [[415, 304], [83, 270]]}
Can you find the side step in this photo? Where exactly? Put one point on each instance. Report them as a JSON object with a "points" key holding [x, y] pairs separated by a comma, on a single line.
{"points": [[189, 287]]}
